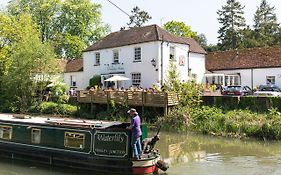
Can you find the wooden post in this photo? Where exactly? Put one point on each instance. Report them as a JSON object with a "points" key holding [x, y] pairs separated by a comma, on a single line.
{"points": [[166, 103], [108, 100], [143, 95]]}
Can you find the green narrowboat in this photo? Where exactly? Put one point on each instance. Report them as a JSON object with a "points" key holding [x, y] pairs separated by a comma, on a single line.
{"points": [[85, 144]]}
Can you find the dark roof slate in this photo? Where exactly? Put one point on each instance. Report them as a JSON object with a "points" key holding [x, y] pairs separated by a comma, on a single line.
{"points": [[75, 65], [264, 57], [142, 35]]}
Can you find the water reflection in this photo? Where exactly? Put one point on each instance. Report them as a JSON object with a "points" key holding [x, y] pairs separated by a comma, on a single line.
{"points": [[197, 154], [188, 154]]}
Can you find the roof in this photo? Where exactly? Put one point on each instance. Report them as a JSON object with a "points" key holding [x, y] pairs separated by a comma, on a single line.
{"points": [[141, 35], [265, 57], [75, 65]]}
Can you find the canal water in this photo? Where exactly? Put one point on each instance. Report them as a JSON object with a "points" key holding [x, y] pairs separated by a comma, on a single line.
{"points": [[188, 154]]}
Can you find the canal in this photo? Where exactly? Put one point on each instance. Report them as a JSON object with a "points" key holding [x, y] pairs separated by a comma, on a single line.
{"points": [[189, 154]]}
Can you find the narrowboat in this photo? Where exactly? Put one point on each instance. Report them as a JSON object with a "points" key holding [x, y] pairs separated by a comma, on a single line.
{"points": [[99, 146]]}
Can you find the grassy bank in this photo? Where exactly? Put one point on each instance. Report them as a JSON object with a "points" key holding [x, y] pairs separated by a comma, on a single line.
{"points": [[215, 121]]}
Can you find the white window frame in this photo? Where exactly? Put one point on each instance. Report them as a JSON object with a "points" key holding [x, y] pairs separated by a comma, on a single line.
{"points": [[70, 137], [115, 57], [172, 55], [137, 52], [272, 80], [73, 82], [136, 78], [6, 132], [35, 135], [97, 60]]}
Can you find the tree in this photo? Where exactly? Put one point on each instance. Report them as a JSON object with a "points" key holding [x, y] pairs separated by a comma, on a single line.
{"points": [[70, 25], [233, 23], [172, 82], [43, 12], [180, 29], [265, 25], [138, 17], [28, 57]]}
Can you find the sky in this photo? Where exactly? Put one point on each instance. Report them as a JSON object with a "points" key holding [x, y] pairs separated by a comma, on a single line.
{"points": [[200, 15]]}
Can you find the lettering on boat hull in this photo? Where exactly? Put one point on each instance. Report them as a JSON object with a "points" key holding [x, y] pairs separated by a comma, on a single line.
{"points": [[110, 144]]}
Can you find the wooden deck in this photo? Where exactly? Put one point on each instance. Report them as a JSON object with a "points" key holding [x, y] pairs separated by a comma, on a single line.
{"points": [[130, 98]]}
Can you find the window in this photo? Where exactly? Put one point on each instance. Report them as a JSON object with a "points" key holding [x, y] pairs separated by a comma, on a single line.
{"points": [[136, 79], [35, 136], [6, 132], [73, 80], [270, 80], [137, 54], [172, 53], [97, 59], [115, 57], [74, 140]]}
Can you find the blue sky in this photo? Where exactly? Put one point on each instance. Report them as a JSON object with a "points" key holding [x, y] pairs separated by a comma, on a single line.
{"points": [[200, 15]]}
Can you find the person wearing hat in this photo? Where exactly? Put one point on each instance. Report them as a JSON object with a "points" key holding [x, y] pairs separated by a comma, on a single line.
{"points": [[135, 126]]}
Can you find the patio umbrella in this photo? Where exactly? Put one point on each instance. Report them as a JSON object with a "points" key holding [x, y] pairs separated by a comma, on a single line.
{"points": [[117, 78]]}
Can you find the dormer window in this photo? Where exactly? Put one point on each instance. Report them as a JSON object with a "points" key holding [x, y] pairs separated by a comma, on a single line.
{"points": [[115, 57], [137, 54], [97, 61]]}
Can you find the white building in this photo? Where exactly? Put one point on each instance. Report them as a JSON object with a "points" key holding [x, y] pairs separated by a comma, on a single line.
{"points": [[143, 54], [251, 67], [73, 75]]}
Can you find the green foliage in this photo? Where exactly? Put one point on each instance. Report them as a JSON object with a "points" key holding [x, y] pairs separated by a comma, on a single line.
{"points": [[138, 17], [172, 82], [69, 25], [95, 80], [28, 57], [189, 94], [233, 23], [266, 26], [180, 29], [54, 108]]}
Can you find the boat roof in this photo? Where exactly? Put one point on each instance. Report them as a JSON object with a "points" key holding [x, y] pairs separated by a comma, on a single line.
{"points": [[44, 120]]}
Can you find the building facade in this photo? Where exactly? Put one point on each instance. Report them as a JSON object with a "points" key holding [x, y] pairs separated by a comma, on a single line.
{"points": [[74, 75], [143, 55], [252, 67]]}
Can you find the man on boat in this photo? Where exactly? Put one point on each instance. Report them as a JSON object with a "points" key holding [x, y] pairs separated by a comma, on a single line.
{"points": [[136, 133]]}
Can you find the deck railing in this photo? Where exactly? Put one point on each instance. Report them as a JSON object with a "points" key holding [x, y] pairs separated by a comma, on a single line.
{"points": [[131, 98]]}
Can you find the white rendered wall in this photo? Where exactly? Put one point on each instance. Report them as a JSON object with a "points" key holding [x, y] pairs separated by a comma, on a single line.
{"points": [[80, 83], [197, 66], [259, 75]]}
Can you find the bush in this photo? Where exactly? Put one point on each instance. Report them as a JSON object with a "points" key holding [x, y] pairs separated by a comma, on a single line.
{"points": [[54, 108]]}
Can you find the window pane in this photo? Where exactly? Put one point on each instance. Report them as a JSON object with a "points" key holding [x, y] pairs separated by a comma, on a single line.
{"points": [[74, 140], [115, 56], [136, 79], [36, 136], [137, 54], [97, 58], [6, 132]]}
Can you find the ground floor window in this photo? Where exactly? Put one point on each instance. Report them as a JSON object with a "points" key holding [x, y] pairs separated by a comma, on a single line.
{"points": [[136, 79], [6, 132], [35, 136], [74, 140], [270, 80]]}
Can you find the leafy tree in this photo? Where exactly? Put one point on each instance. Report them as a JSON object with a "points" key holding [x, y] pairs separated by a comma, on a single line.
{"points": [[138, 17], [265, 25], [43, 12], [233, 23], [70, 25], [180, 29], [28, 57], [172, 81], [249, 40]]}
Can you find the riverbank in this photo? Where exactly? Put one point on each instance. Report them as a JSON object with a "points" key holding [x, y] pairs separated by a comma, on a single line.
{"points": [[216, 121]]}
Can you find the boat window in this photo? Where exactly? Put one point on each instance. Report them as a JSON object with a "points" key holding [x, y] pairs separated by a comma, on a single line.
{"points": [[6, 132], [35, 136], [74, 140]]}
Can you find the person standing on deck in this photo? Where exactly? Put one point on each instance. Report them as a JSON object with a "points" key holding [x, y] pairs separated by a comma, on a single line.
{"points": [[135, 126]]}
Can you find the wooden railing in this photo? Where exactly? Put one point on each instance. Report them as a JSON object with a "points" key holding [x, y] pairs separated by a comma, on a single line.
{"points": [[131, 98]]}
